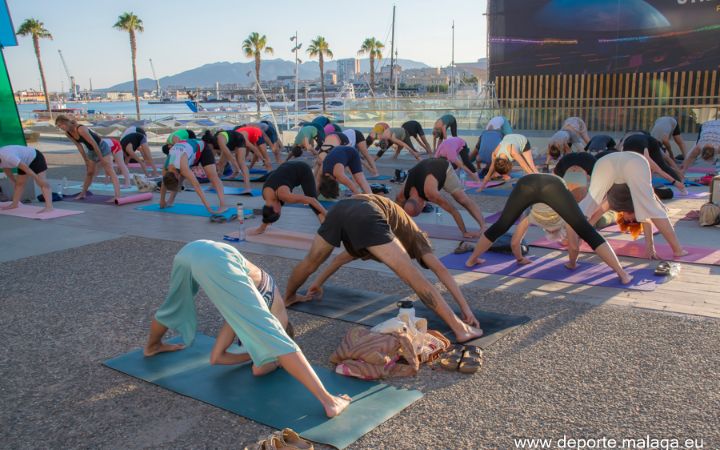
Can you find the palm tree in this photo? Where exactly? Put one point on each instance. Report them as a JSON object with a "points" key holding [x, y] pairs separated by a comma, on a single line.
{"points": [[320, 48], [36, 29], [253, 47], [131, 23], [373, 48]]}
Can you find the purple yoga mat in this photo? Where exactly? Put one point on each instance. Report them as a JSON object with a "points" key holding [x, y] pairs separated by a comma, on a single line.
{"points": [[553, 269]]}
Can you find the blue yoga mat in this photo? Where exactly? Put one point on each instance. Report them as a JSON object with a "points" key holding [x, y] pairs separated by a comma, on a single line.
{"points": [[326, 204], [379, 178], [490, 191], [258, 171], [187, 209], [240, 179], [228, 190], [659, 181], [276, 400]]}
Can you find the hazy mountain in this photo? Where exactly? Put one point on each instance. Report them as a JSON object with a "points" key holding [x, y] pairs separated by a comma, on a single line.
{"points": [[226, 72]]}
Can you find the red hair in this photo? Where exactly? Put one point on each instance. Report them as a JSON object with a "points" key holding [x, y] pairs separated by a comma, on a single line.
{"points": [[634, 228]]}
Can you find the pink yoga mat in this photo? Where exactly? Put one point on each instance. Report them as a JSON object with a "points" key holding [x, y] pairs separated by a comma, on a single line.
{"points": [[616, 229], [280, 238], [702, 169], [31, 212], [553, 269], [137, 198], [636, 249]]}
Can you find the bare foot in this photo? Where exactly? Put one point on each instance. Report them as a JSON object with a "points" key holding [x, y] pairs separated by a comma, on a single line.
{"points": [[469, 334], [45, 210], [682, 253], [10, 206], [337, 405], [474, 261], [571, 266], [153, 350], [625, 278]]}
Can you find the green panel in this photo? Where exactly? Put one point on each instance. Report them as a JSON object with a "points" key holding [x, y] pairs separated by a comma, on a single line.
{"points": [[11, 131]]}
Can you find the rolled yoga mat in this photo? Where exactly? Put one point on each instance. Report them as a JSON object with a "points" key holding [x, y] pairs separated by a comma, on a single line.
{"points": [[187, 209], [227, 190], [371, 308], [137, 198], [636, 249], [31, 212], [276, 399], [553, 269]]}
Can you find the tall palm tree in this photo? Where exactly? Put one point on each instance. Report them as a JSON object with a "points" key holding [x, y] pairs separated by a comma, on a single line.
{"points": [[36, 29], [373, 48], [253, 47], [131, 23], [320, 48]]}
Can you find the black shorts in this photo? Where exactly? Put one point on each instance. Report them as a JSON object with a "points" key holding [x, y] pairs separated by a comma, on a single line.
{"points": [[357, 225], [207, 157], [413, 128], [677, 130], [38, 165]]}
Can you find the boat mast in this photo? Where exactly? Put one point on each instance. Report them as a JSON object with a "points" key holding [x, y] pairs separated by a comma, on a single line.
{"points": [[452, 64], [392, 52]]}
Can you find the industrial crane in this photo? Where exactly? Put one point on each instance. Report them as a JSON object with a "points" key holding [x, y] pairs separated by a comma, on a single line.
{"points": [[157, 82], [73, 86]]}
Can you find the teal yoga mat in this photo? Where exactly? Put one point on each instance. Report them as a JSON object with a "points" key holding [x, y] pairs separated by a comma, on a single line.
{"points": [[103, 187], [327, 204], [276, 400], [227, 190], [187, 209], [378, 178], [240, 179]]}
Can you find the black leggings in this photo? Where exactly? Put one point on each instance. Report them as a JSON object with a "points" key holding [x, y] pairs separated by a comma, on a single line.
{"points": [[465, 158], [453, 127], [548, 189], [657, 156]]}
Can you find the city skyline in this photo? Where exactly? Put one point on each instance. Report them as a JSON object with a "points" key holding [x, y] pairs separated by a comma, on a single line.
{"points": [[421, 35]]}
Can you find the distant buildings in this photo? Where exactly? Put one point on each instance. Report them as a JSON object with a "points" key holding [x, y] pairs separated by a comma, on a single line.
{"points": [[348, 69], [30, 96]]}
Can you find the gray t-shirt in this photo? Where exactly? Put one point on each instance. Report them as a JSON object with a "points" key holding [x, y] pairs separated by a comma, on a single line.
{"points": [[12, 155], [663, 128]]}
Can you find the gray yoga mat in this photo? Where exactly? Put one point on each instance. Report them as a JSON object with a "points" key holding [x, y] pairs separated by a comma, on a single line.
{"points": [[371, 308], [276, 399]]}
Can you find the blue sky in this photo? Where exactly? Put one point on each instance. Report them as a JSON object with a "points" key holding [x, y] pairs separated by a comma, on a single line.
{"points": [[183, 34]]}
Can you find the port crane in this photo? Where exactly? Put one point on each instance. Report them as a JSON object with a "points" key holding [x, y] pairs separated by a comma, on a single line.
{"points": [[157, 82], [73, 85]]}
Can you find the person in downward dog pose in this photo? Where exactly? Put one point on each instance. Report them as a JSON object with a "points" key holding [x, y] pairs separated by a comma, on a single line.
{"points": [[246, 297]]}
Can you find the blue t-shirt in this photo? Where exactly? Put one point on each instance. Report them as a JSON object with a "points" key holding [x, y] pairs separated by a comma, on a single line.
{"points": [[489, 140]]}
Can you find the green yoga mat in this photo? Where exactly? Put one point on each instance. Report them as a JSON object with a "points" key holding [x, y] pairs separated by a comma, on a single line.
{"points": [[276, 400], [371, 308]]}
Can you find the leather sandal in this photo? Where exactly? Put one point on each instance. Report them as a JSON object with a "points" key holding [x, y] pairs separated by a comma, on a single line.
{"points": [[451, 358], [463, 247], [292, 440], [472, 360]]}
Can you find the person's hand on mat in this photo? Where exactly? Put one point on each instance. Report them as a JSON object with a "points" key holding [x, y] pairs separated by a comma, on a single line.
{"points": [[162, 347], [472, 234], [523, 261], [315, 292], [297, 298], [469, 318]]}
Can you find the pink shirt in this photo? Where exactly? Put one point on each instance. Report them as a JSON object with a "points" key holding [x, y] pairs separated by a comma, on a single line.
{"points": [[449, 148]]}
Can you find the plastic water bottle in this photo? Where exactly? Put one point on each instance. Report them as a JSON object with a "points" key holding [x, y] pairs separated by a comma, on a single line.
{"points": [[406, 311], [241, 222], [64, 186], [438, 214], [463, 178]]}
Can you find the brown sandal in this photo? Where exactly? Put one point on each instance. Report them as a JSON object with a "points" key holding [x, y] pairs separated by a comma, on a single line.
{"points": [[463, 247], [451, 358], [292, 440], [471, 360]]}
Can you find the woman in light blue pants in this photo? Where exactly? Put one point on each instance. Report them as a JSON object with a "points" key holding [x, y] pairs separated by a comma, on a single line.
{"points": [[242, 293]]}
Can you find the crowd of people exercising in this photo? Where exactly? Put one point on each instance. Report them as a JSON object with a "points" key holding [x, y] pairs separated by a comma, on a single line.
{"points": [[582, 178]]}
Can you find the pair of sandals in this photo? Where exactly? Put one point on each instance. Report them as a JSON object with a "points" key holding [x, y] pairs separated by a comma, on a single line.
{"points": [[463, 247], [462, 358], [286, 439], [222, 218]]}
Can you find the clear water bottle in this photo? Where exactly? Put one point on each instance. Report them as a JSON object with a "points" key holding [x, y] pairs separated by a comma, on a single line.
{"points": [[438, 214], [241, 222], [463, 178]]}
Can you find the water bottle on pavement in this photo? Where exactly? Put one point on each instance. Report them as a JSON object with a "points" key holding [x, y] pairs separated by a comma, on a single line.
{"points": [[241, 222], [463, 178]]}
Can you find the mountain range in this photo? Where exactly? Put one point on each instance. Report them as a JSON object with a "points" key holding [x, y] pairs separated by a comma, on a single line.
{"points": [[226, 72]]}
